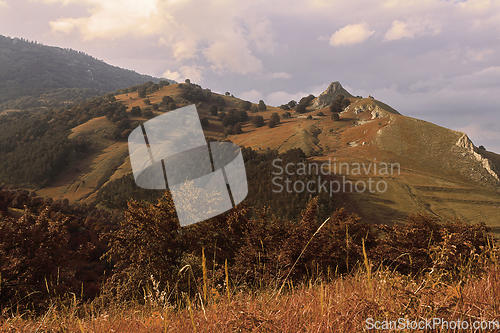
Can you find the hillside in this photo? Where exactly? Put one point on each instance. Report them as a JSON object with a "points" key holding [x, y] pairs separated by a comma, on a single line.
{"points": [[29, 69], [438, 171]]}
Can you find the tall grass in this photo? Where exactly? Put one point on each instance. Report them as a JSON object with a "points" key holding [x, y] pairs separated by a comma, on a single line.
{"points": [[343, 304]]}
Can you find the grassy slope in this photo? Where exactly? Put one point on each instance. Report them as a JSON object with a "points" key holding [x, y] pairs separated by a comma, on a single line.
{"points": [[434, 178]]}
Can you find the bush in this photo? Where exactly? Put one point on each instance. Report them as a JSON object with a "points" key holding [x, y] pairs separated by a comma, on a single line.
{"points": [[272, 123], [167, 99], [286, 115], [345, 103], [335, 117], [136, 111], [246, 105], [304, 103], [275, 116], [147, 101], [258, 121], [213, 110], [237, 129], [320, 114], [147, 113], [262, 106], [204, 122]]}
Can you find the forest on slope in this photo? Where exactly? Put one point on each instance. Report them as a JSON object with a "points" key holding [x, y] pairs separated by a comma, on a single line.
{"points": [[29, 70]]}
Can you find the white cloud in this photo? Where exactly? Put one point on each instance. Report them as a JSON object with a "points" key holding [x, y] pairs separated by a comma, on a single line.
{"points": [[253, 96], [4, 4], [279, 75], [224, 33], [173, 75], [411, 28], [281, 97], [398, 30], [351, 34], [193, 73]]}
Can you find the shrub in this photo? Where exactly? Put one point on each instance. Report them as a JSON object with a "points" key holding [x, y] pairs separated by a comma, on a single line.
{"points": [[262, 106], [272, 123], [147, 113], [213, 110], [258, 121], [304, 103], [136, 111], [167, 99], [335, 117], [147, 101], [246, 105]]}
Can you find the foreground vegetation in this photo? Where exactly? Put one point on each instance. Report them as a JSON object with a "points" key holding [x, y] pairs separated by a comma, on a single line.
{"points": [[342, 304], [235, 272]]}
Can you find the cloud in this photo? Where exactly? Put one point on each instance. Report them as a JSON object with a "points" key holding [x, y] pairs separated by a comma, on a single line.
{"points": [[4, 4], [398, 30], [221, 33], [351, 34], [252, 95], [409, 29], [193, 73], [279, 75]]}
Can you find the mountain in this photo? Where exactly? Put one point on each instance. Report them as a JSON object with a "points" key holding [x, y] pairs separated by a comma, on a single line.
{"points": [[31, 69], [326, 97], [389, 165]]}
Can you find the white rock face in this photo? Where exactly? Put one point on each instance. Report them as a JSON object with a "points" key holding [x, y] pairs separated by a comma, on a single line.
{"points": [[326, 97], [466, 143]]}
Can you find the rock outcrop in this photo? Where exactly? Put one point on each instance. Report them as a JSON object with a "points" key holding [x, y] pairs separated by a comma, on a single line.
{"points": [[326, 97], [466, 143]]}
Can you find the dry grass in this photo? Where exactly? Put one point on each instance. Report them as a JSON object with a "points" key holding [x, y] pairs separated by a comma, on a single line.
{"points": [[342, 304]]}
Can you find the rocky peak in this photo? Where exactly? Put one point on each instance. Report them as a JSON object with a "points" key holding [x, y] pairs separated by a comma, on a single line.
{"points": [[326, 97]]}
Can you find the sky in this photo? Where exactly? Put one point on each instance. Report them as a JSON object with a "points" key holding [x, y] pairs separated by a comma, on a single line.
{"points": [[436, 60]]}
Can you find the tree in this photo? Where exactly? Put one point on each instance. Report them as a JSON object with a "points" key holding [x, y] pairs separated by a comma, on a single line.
{"points": [[167, 99], [147, 113], [304, 103], [276, 117], [227, 93], [136, 111], [147, 101], [335, 116], [156, 106], [345, 103], [213, 110], [204, 122], [272, 123], [262, 106], [292, 104], [246, 105], [284, 107], [237, 129], [336, 107], [142, 92], [258, 121], [187, 81], [286, 115]]}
